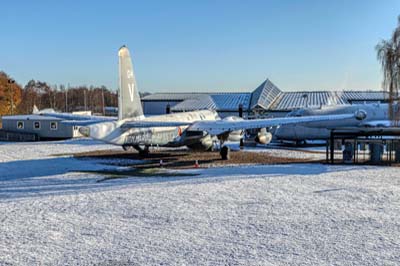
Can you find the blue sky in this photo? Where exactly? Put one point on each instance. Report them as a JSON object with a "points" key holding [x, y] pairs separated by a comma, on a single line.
{"points": [[198, 45]]}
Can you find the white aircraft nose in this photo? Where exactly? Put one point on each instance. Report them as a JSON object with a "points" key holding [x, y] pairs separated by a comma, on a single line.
{"points": [[85, 131], [360, 114]]}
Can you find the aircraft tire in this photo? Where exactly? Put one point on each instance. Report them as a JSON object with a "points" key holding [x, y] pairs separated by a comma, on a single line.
{"points": [[225, 153]]}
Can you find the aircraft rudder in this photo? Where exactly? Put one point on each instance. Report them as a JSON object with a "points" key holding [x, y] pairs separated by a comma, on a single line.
{"points": [[129, 99]]}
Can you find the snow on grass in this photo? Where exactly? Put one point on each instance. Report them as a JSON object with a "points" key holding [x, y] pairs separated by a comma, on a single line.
{"points": [[301, 214], [288, 152], [33, 150]]}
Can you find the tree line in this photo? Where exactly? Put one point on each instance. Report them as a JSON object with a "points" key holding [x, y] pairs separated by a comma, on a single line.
{"points": [[66, 99], [15, 99]]}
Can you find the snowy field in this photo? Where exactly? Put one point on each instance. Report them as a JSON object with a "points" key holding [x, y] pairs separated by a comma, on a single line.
{"points": [[309, 154], [300, 214]]}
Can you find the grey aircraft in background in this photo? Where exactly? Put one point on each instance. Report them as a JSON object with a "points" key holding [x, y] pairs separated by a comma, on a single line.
{"points": [[376, 115], [197, 130]]}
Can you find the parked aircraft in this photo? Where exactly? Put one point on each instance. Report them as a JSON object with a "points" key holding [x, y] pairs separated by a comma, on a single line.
{"points": [[376, 115], [198, 129]]}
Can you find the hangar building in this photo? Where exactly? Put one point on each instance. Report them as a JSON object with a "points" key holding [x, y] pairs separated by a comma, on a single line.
{"points": [[266, 100]]}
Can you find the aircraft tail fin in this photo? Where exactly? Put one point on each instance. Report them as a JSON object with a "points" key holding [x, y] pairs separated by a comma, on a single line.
{"points": [[129, 104], [35, 109]]}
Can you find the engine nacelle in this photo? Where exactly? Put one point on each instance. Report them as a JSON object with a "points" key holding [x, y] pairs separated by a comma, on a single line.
{"points": [[263, 136], [204, 144], [234, 136]]}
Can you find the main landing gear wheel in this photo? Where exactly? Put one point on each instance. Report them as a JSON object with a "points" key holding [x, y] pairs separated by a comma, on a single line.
{"points": [[225, 153], [142, 151]]}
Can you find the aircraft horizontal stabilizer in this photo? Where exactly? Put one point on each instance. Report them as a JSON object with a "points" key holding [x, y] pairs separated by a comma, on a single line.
{"points": [[77, 120], [84, 122]]}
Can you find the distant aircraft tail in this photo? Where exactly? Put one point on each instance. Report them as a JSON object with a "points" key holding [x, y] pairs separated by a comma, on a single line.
{"points": [[35, 109], [129, 105]]}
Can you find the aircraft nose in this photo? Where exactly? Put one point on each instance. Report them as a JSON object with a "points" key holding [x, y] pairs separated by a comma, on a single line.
{"points": [[360, 114], [85, 131]]}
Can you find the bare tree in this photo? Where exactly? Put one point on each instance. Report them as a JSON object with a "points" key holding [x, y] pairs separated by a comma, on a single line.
{"points": [[388, 53]]}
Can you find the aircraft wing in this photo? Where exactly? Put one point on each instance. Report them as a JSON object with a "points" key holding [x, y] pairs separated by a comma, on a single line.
{"points": [[147, 124], [217, 127], [221, 126]]}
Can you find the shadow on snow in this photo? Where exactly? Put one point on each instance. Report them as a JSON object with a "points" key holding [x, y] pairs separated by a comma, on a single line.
{"points": [[64, 175]]}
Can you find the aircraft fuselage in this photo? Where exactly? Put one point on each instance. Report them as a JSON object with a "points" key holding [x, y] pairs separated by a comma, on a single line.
{"points": [[113, 133], [321, 130]]}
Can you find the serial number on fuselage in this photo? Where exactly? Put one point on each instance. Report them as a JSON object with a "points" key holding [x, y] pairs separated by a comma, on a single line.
{"points": [[152, 138]]}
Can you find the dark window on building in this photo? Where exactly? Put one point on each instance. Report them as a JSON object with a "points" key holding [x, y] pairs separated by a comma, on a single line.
{"points": [[53, 125], [20, 125], [36, 125]]}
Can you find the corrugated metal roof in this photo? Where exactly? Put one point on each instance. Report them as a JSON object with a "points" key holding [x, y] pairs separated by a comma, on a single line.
{"points": [[217, 101], [292, 100], [363, 95], [232, 101], [198, 103], [266, 96], [173, 96]]}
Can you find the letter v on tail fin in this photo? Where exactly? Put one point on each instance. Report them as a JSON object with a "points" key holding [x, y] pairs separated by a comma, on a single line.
{"points": [[129, 104]]}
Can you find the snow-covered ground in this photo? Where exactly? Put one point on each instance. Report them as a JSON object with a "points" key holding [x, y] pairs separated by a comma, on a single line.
{"points": [[37, 150], [302, 214], [285, 152]]}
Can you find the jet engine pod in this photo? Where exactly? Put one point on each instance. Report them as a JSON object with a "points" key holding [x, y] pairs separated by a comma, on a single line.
{"points": [[360, 114], [203, 144], [263, 136]]}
